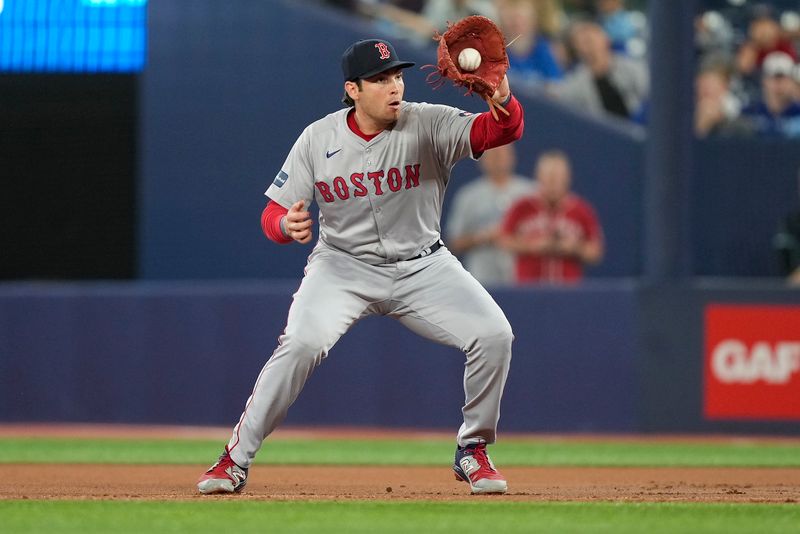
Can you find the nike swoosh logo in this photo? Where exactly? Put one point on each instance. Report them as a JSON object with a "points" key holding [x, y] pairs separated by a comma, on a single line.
{"points": [[330, 154], [464, 114]]}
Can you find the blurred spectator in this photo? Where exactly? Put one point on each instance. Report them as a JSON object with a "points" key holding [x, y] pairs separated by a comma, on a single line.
{"points": [[790, 22], [551, 17], [716, 109], [714, 36], [440, 12], [433, 17], [349, 5], [553, 232], [764, 37], [787, 244], [603, 82], [473, 225], [777, 114], [553, 21], [624, 28], [581, 7], [531, 60]]}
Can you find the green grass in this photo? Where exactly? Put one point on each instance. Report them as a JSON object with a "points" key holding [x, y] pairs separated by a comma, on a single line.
{"points": [[478, 515], [423, 517], [512, 452]]}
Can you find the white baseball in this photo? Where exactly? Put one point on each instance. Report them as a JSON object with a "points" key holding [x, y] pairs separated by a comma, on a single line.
{"points": [[469, 59]]}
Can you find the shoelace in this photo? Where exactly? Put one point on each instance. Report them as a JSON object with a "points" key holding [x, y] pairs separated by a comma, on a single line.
{"points": [[480, 455], [222, 458]]}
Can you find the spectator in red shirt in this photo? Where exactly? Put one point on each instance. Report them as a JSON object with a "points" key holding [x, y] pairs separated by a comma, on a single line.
{"points": [[554, 232], [765, 36]]}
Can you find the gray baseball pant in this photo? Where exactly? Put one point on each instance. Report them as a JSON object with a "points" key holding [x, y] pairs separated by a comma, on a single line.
{"points": [[433, 296]]}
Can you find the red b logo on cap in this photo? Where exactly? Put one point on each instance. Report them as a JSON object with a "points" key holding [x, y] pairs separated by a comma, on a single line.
{"points": [[384, 50]]}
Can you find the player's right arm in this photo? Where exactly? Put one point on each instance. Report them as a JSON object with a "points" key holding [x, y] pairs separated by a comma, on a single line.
{"points": [[284, 226]]}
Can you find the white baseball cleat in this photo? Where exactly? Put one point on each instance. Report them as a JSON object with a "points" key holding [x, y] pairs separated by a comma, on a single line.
{"points": [[223, 477], [473, 465]]}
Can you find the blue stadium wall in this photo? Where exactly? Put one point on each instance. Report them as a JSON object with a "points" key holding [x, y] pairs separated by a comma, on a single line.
{"points": [[605, 357]]}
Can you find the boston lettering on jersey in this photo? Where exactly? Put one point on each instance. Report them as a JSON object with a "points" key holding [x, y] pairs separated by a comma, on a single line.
{"points": [[359, 185]]}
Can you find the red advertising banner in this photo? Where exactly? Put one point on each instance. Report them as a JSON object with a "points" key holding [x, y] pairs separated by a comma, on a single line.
{"points": [[752, 362]]}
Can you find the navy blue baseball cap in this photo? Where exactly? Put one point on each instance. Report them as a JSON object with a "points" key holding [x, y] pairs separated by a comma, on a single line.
{"points": [[364, 59]]}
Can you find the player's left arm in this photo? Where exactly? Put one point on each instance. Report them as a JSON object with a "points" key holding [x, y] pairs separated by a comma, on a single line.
{"points": [[489, 133]]}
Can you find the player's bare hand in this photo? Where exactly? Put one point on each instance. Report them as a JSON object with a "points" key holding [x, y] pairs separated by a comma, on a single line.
{"points": [[298, 223], [503, 90]]}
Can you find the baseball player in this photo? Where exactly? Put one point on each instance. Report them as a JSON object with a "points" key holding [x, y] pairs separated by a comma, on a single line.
{"points": [[378, 170]]}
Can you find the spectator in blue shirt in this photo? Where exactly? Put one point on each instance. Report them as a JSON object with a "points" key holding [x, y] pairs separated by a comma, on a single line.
{"points": [[777, 114], [531, 59]]}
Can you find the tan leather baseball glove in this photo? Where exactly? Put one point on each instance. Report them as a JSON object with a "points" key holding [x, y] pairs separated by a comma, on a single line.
{"points": [[484, 36]]}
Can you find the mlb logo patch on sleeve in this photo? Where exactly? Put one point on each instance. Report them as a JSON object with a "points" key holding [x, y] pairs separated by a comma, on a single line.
{"points": [[280, 179]]}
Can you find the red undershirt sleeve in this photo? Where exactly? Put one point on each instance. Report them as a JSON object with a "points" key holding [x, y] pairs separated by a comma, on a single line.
{"points": [[271, 223], [488, 133]]}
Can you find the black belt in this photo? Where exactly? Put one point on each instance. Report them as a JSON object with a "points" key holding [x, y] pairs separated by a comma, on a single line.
{"points": [[428, 251]]}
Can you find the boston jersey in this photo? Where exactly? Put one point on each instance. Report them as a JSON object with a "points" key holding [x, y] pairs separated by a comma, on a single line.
{"points": [[380, 200]]}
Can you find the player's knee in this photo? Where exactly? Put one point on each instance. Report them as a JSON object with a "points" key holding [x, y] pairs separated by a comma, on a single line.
{"points": [[309, 332], [499, 329], [305, 350], [495, 337]]}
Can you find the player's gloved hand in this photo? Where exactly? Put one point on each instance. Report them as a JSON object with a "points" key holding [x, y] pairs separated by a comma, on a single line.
{"points": [[485, 79], [297, 223]]}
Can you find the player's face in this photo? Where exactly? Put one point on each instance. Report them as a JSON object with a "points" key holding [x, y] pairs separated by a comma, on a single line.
{"points": [[380, 97]]}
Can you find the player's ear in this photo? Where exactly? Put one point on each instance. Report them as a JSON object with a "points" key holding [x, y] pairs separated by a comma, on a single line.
{"points": [[351, 88]]}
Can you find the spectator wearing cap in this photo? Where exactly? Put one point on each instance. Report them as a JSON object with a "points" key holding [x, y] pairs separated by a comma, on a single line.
{"points": [[777, 114]]}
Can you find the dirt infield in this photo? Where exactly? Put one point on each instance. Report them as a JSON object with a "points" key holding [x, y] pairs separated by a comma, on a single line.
{"points": [[170, 482], [115, 482]]}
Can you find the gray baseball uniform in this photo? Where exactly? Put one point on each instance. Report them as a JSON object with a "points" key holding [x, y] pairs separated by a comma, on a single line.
{"points": [[380, 205]]}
